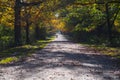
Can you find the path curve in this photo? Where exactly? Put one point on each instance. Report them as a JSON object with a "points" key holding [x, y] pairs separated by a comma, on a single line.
{"points": [[63, 60]]}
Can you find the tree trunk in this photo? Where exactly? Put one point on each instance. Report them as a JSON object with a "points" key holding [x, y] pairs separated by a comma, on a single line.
{"points": [[37, 32], [27, 32], [17, 24], [109, 25]]}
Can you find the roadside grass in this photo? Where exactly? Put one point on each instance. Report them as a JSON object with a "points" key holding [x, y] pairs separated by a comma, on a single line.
{"points": [[102, 48], [111, 51], [19, 53]]}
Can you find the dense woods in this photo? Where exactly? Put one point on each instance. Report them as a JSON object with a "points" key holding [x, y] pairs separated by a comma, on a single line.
{"points": [[92, 21]]}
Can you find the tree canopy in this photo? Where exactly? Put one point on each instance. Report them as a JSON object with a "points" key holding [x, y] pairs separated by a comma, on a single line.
{"points": [[96, 19]]}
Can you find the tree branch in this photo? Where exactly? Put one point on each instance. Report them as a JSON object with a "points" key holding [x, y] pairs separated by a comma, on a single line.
{"points": [[32, 3], [91, 3], [113, 2]]}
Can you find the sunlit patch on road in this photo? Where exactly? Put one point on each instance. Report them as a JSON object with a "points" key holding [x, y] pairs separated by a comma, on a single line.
{"points": [[64, 60]]}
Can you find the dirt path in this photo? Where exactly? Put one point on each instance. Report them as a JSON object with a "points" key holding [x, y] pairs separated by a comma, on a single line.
{"points": [[63, 60]]}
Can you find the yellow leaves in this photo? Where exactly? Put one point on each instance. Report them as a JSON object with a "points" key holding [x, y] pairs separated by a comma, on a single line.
{"points": [[9, 9], [7, 19], [59, 24], [54, 21], [4, 0], [117, 25], [7, 13]]}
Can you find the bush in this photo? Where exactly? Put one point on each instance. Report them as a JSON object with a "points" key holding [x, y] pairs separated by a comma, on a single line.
{"points": [[6, 37]]}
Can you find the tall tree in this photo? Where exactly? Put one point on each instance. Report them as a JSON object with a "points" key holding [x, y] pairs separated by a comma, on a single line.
{"points": [[17, 24]]}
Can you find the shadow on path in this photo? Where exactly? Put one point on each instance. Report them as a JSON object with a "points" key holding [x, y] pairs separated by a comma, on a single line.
{"points": [[68, 55]]}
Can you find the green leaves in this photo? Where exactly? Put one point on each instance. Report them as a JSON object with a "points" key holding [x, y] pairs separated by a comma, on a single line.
{"points": [[83, 17]]}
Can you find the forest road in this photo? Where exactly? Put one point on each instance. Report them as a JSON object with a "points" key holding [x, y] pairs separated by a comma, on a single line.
{"points": [[63, 60]]}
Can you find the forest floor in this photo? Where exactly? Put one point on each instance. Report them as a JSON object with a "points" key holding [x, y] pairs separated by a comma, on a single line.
{"points": [[63, 60]]}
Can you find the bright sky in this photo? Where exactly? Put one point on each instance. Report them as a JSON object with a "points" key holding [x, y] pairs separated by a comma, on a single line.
{"points": [[56, 15]]}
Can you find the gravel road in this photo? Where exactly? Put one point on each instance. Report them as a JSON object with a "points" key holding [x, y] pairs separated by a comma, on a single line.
{"points": [[63, 60]]}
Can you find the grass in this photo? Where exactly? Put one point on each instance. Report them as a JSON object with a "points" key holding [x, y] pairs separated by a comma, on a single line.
{"points": [[8, 60], [111, 51], [97, 47], [17, 53]]}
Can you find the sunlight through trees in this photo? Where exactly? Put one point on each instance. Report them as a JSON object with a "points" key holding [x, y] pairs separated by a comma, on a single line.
{"points": [[95, 21]]}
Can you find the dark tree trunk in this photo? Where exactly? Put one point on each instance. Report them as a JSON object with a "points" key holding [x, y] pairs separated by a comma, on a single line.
{"points": [[27, 32], [109, 25], [27, 16], [17, 24], [37, 32]]}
